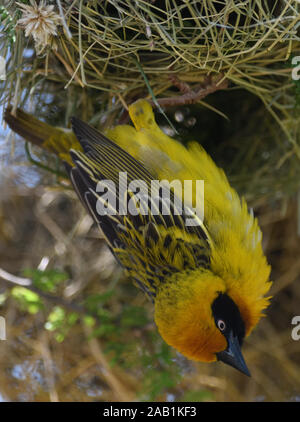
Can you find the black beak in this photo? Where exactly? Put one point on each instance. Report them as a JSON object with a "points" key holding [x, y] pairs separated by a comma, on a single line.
{"points": [[233, 355]]}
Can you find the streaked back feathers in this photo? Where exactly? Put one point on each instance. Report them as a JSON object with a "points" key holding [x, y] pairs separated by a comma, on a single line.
{"points": [[150, 247]]}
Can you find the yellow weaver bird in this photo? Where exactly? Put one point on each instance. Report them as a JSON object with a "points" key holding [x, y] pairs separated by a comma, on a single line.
{"points": [[208, 281]]}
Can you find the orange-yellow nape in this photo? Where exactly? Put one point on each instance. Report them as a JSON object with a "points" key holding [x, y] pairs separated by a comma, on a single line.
{"points": [[197, 316]]}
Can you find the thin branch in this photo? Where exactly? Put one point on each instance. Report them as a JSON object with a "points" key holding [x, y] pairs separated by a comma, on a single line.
{"points": [[41, 165], [61, 12], [11, 278], [190, 96], [183, 87]]}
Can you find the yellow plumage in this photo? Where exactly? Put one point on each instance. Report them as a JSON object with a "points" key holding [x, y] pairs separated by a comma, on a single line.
{"points": [[236, 254], [199, 278]]}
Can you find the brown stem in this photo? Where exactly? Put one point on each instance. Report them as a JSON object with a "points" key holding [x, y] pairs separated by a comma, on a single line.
{"points": [[192, 96]]}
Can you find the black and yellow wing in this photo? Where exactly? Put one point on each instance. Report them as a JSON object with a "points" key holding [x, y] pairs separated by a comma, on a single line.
{"points": [[148, 241]]}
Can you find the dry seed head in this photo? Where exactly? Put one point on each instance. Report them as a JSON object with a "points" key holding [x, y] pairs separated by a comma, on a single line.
{"points": [[40, 21]]}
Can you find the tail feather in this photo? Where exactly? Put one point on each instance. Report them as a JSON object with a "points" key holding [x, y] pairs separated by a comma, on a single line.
{"points": [[54, 139], [29, 127]]}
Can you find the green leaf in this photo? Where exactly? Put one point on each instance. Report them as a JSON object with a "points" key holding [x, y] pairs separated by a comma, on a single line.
{"points": [[27, 300], [60, 322], [72, 318], [56, 319], [89, 320], [46, 280]]}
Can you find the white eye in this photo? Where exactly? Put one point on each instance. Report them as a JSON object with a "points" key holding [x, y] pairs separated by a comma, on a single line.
{"points": [[221, 325]]}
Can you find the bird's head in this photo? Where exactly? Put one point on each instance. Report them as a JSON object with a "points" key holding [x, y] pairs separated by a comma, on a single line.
{"points": [[231, 325], [201, 318]]}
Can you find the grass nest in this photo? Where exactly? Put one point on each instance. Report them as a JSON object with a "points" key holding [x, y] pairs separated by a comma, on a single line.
{"points": [[98, 57]]}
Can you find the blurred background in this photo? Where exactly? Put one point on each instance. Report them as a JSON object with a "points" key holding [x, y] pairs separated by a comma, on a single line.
{"points": [[76, 327]]}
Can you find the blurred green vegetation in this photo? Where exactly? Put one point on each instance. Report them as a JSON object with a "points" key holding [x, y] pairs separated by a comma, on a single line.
{"points": [[154, 361]]}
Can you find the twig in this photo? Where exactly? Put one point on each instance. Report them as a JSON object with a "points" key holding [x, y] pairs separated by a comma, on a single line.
{"points": [[20, 281], [154, 101], [61, 12], [41, 165], [190, 96], [181, 85], [121, 389], [45, 350], [68, 68]]}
